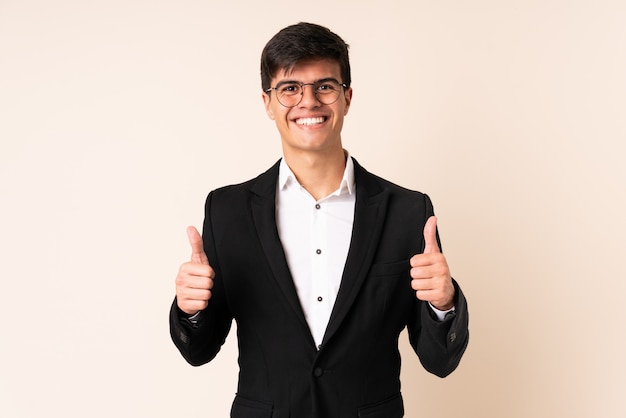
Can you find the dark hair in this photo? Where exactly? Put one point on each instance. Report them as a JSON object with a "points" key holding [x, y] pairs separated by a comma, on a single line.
{"points": [[302, 41]]}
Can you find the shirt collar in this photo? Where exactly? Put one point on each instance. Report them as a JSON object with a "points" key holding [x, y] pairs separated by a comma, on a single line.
{"points": [[286, 177]]}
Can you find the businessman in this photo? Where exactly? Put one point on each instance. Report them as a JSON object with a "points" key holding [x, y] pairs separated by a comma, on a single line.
{"points": [[321, 264]]}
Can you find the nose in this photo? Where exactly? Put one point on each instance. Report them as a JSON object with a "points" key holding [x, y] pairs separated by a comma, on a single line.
{"points": [[309, 99]]}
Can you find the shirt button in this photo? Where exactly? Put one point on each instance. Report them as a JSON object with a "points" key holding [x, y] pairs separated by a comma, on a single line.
{"points": [[317, 206], [319, 299], [318, 251]]}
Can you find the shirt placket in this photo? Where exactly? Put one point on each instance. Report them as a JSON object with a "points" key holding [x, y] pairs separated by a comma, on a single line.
{"points": [[319, 267]]}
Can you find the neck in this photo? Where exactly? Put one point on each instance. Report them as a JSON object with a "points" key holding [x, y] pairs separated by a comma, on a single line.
{"points": [[319, 175]]}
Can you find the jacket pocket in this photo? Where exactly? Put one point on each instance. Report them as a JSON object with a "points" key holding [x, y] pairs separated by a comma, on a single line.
{"points": [[248, 408], [391, 269], [389, 408]]}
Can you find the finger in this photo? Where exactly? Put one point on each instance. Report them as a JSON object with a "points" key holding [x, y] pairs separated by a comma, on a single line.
{"points": [[194, 294], [430, 236], [197, 247], [421, 284], [195, 276], [192, 306], [192, 269]]}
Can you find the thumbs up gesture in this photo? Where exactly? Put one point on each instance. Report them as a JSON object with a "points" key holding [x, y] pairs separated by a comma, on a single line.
{"points": [[195, 277], [430, 273]]}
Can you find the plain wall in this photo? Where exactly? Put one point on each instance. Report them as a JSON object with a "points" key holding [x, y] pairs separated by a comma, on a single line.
{"points": [[118, 117]]}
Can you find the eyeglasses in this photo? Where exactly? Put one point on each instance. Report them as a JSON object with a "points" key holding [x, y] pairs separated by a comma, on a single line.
{"points": [[290, 93]]}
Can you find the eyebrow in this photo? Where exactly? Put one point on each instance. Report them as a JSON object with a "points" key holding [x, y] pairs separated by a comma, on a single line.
{"points": [[321, 80]]}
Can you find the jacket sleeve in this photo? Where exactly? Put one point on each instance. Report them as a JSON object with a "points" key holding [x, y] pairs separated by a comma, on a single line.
{"points": [[440, 344], [199, 341]]}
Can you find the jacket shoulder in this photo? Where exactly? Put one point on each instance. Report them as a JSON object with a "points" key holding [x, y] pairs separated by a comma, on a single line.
{"points": [[374, 181], [261, 184]]}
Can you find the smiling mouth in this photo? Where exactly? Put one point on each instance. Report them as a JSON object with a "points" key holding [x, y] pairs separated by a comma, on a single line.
{"points": [[310, 121]]}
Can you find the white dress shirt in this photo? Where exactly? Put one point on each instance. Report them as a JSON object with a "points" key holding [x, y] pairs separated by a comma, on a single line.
{"points": [[315, 235]]}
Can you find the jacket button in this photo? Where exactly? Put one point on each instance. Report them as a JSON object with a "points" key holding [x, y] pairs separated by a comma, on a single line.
{"points": [[318, 372]]}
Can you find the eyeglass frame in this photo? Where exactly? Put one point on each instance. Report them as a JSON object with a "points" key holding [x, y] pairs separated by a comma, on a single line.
{"points": [[317, 82]]}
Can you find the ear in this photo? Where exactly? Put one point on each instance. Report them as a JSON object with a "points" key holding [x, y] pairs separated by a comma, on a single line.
{"points": [[267, 101], [348, 99]]}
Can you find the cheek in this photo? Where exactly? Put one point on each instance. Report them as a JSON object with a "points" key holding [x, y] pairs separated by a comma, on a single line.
{"points": [[278, 113]]}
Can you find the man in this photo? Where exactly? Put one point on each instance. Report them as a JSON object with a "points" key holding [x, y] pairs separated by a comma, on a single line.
{"points": [[320, 263]]}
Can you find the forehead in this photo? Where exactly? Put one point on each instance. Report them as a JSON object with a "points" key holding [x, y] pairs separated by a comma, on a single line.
{"points": [[310, 70]]}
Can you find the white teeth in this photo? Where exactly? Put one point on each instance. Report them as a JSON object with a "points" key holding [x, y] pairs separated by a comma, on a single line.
{"points": [[309, 121]]}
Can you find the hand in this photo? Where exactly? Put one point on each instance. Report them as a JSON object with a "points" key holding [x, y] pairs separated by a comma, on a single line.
{"points": [[195, 278], [431, 276]]}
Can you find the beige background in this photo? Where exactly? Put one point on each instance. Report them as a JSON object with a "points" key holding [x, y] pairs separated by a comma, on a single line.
{"points": [[117, 117]]}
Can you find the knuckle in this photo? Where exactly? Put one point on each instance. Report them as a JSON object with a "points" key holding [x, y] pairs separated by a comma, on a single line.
{"points": [[180, 281], [184, 268]]}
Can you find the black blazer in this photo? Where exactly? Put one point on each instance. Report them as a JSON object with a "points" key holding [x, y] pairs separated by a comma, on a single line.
{"points": [[356, 371]]}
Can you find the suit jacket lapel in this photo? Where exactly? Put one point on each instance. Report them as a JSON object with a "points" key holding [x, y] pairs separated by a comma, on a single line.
{"points": [[263, 207], [370, 211]]}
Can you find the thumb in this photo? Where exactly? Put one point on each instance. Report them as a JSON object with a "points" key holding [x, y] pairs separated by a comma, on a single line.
{"points": [[430, 236], [197, 248]]}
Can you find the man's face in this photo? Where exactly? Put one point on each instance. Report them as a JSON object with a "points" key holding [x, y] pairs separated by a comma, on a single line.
{"points": [[310, 126]]}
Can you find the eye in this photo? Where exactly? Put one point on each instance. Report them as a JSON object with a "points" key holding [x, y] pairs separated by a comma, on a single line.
{"points": [[289, 89], [328, 87]]}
